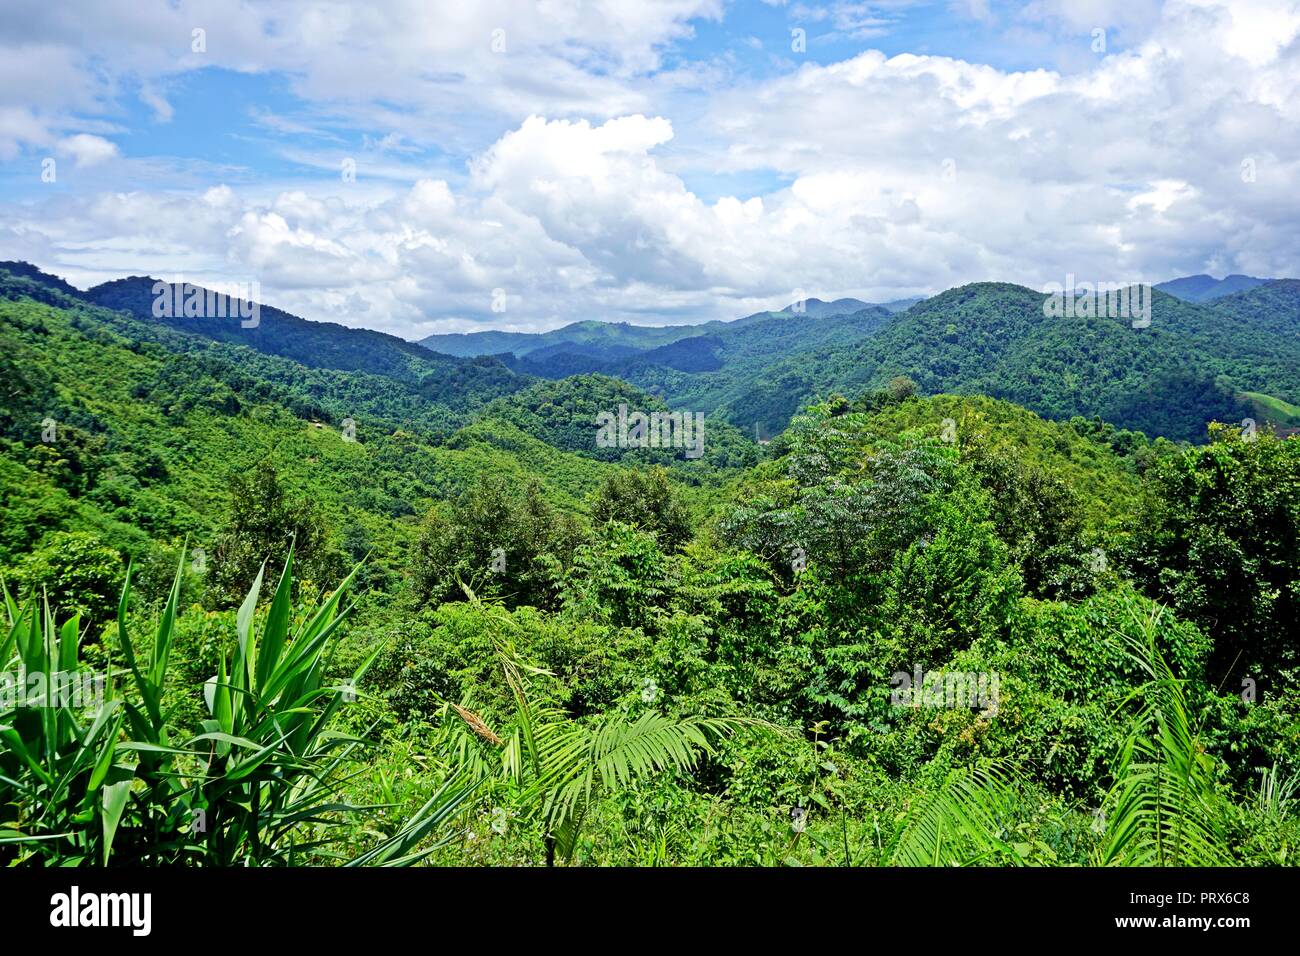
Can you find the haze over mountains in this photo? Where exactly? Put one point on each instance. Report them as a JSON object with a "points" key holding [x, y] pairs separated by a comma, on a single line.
{"points": [[620, 335], [1220, 349]]}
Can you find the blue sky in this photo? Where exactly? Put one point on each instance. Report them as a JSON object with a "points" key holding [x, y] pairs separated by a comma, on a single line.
{"points": [[222, 123], [676, 161]]}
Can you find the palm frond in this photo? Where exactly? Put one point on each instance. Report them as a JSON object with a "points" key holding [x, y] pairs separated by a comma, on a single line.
{"points": [[577, 760], [1165, 808], [958, 823]]}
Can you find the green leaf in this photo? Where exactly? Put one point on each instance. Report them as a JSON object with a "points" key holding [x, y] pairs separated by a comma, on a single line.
{"points": [[114, 802]]}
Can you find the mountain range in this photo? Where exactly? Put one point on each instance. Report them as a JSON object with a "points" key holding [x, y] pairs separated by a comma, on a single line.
{"points": [[1217, 349], [1203, 288], [1232, 355], [617, 339]]}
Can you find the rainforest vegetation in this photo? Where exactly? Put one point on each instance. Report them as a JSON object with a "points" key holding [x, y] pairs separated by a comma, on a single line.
{"points": [[358, 603]]}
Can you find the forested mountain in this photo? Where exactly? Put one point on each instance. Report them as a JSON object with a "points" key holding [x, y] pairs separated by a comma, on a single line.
{"points": [[611, 341], [455, 382], [1271, 308], [820, 307], [708, 372], [770, 572], [1261, 329], [701, 372], [436, 401], [1189, 367], [1203, 288], [560, 414], [586, 333], [1235, 358], [902, 305], [816, 308], [147, 424], [39, 283]]}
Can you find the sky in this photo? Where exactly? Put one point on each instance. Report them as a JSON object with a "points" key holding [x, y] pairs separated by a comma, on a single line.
{"points": [[422, 166]]}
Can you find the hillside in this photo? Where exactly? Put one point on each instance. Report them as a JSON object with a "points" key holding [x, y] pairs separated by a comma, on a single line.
{"points": [[1258, 331], [459, 383], [817, 308], [588, 332], [561, 414], [1195, 364], [311, 392], [1104, 473], [994, 339], [705, 372], [783, 588], [148, 425]]}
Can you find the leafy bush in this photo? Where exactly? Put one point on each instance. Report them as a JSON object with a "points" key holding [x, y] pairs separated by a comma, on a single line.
{"points": [[76, 572], [110, 781]]}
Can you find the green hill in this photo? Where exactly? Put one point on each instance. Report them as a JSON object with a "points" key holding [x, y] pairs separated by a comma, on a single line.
{"points": [[994, 339], [147, 425], [600, 342], [714, 372], [563, 414], [786, 586], [457, 383], [589, 333]]}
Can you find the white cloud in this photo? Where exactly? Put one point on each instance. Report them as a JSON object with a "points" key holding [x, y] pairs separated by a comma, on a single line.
{"points": [[1259, 30], [443, 57], [906, 174], [1162, 194], [87, 150], [847, 18]]}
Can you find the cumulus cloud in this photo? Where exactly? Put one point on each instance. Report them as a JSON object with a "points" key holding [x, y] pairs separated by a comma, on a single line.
{"points": [[438, 56], [87, 150], [1133, 167], [898, 174]]}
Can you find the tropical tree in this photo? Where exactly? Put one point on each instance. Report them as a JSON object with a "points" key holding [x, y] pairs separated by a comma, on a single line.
{"points": [[265, 522], [494, 538], [646, 499], [1218, 540], [77, 571]]}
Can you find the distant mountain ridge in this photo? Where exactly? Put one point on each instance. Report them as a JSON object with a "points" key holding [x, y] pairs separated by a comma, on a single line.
{"points": [[425, 380], [1232, 356], [191, 372], [1192, 365], [609, 340], [315, 344], [1204, 288], [820, 307], [589, 332], [26, 270], [723, 351]]}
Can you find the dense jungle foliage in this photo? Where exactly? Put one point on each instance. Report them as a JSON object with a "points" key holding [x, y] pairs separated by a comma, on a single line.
{"points": [[374, 608]]}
